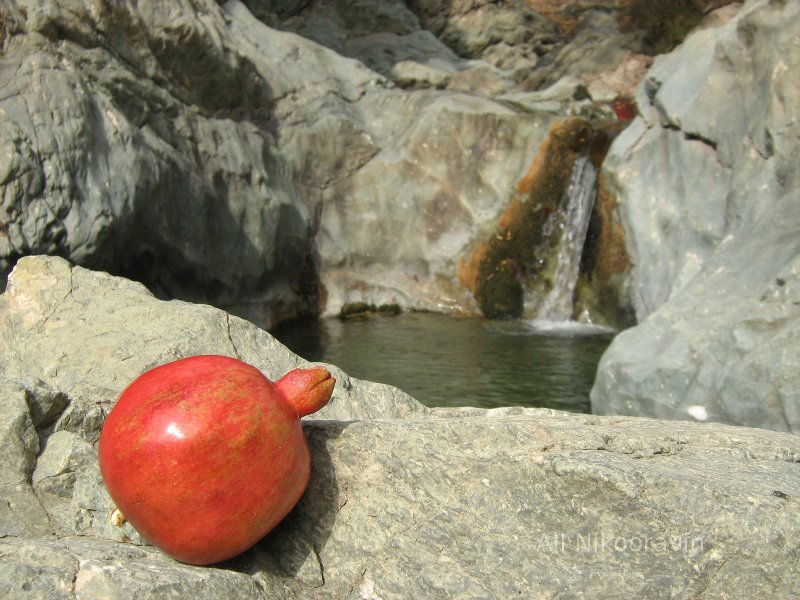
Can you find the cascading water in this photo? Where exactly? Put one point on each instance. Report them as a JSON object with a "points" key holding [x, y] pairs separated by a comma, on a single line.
{"points": [[581, 192]]}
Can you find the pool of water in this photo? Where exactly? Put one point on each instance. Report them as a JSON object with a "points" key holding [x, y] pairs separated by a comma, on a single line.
{"points": [[460, 361]]}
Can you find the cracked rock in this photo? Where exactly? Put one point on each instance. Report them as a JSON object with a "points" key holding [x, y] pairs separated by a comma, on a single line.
{"points": [[20, 511]]}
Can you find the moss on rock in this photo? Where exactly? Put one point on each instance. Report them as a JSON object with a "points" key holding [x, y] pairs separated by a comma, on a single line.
{"points": [[517, 255], [355, 310], [664, 24], [601, 290]]}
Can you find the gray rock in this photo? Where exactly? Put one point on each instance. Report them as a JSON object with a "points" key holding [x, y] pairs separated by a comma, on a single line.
{"points": [[20, 512], [708, 200], [210, 156], [488, 30], [596, 47], [95, 568], [68, 484], [219, 160], [454, 35], [124, 330], [119, 151], [395, 230], [442, 503], [44, 403]]}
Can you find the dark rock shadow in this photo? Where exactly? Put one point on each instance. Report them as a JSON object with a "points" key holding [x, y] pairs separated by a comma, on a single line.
{"points": [[292, 550]]}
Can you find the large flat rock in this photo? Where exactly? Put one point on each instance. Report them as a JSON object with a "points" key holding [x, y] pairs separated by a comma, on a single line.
{"points": [[404, 502]]}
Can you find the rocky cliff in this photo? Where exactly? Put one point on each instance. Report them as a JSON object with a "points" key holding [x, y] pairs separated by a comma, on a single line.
{"points": [[283, 158], [707, 183]]}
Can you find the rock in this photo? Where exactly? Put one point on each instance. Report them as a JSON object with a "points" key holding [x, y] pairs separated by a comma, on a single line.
{"points": [[519, 270], [595, 47], [411, 74], [205, 154], [217, 159], [122, 334], [424, 540], [395, 230], [434, 503], [558, 97], [20, 512], [95, 568], [481, 80], [499, 32], [707, 199], [68, 485], [119, 154]]}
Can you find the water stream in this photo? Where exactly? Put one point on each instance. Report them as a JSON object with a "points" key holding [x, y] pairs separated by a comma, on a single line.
{"points": [[557, 306]]}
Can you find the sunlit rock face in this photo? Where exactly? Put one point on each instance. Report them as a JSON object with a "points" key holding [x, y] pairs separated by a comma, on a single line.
{"points": [[707, 183], [393, 231]]}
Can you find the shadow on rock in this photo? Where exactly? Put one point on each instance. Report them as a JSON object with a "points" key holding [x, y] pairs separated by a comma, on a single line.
{"points": [[293, 548]]}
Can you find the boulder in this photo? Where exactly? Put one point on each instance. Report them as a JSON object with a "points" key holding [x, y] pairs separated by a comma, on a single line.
{"points": [[708, 202], [125, 331], [404, 502]]}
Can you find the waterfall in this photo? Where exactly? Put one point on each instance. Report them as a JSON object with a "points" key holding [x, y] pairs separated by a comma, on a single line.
{"points": [[558, 304]]}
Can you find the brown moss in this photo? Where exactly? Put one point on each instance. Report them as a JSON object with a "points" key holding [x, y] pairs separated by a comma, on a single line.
{"points": [[664, 23], [604, 265], [605, 253]]}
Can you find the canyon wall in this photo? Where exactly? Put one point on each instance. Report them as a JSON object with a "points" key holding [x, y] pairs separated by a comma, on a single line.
{"points": [[286, 158]]}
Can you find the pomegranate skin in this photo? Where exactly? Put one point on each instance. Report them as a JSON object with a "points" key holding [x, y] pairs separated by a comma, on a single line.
{"points": [[205, 455]]}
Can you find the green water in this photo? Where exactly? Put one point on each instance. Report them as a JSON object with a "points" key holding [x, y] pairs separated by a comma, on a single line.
{"points": [[459, 361]]}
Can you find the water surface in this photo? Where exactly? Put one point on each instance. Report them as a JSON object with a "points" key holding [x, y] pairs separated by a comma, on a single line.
{"points": [[460, 361]]}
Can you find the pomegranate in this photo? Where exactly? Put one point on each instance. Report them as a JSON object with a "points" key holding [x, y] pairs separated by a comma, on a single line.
{"points": [[205, 455]]}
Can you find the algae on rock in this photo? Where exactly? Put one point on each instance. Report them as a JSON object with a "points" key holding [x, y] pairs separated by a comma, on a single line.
{"points": [[512, 271]]}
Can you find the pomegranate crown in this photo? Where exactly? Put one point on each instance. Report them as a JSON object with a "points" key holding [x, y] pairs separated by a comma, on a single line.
{"points": [[307, 390]]}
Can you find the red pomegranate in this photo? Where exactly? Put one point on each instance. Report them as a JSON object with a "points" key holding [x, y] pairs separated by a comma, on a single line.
{"points": [[205, 455]]}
